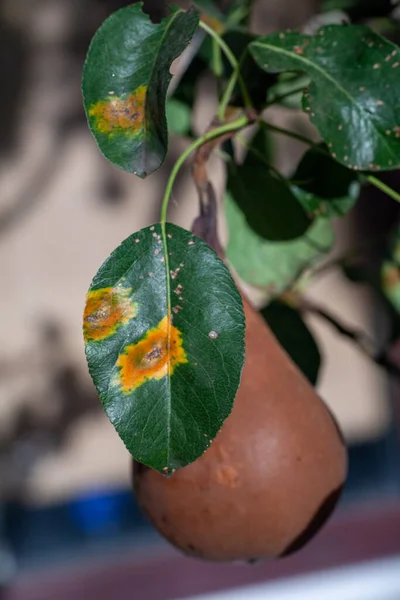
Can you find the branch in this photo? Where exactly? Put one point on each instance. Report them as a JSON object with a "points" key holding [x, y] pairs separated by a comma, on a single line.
{"points": [[360, 338]]}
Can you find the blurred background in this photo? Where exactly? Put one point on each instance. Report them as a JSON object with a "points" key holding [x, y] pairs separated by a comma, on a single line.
{"points": [[69, 525]]}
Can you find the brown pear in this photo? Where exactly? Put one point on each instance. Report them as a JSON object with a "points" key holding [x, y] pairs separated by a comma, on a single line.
{"points": [[271, 477]]}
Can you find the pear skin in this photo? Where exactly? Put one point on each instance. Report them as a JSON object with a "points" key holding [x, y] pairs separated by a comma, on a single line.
{"points": [[271, 477]]}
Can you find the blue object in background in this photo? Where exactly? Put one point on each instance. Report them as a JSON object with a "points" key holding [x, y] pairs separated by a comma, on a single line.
{"points": [[99, 512]]}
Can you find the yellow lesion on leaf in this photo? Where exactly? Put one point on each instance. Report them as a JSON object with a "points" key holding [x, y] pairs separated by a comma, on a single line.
{"points": [[153, 357], [120, 114], [390, 275], [106, 311]]}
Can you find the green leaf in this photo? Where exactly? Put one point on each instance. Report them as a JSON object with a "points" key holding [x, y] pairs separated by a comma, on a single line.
{"points": [[272, 265], [295, 337], [324, 187], [178, 117], [288, 89], [360, 10], [260, 148], [354, 90], [256, 79], [271, 209], [125, 82], [164, 333]]}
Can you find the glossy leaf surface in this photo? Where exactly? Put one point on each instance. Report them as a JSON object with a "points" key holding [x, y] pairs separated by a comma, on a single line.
{"points": [[164, 333], [353, 95], [125, 82], [295, 337]]}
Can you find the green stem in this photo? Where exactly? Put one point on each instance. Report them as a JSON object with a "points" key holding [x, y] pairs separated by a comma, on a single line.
{"points": [[240, 123], [383, 187], [260, 157], [223, 45], [285, 95], [223, 105], [292, 134], [217, 65], [370, 178], [235, 75]]}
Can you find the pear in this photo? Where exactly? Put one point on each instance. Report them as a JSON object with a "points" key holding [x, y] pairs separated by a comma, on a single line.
{"points": [[271, 477]]}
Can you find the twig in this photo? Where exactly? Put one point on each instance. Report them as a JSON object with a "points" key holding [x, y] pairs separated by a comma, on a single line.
{"points": [[360, 338]]}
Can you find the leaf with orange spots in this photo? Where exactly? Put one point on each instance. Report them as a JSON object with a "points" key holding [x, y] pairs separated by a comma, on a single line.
{"points": [[353, 95], [164, 337], [125, 82], [390, 271], [106, 310]]}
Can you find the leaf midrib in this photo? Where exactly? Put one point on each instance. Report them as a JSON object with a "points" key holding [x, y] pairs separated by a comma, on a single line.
{"points": [[168, 348]]}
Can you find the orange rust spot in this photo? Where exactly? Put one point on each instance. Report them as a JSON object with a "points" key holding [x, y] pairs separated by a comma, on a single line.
{"points": [[120, 115], [212, 22], [106, 311], [390, 276], [153, 357]]}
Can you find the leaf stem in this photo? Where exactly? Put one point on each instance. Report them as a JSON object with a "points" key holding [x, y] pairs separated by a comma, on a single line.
{"points": [[217, 65], [360, 338], [370, 178], [383, 187], [235, 75], [292, 134], [285, 95], [239, 123], [260, 157]]}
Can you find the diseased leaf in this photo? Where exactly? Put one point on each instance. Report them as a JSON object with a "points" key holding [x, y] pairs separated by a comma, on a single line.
{"points": [[390, 271], [164, 333], [391, 282], [272, 265], [379, 280], [353, 95], [294, 336], [323, 186], [125, 82]]}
